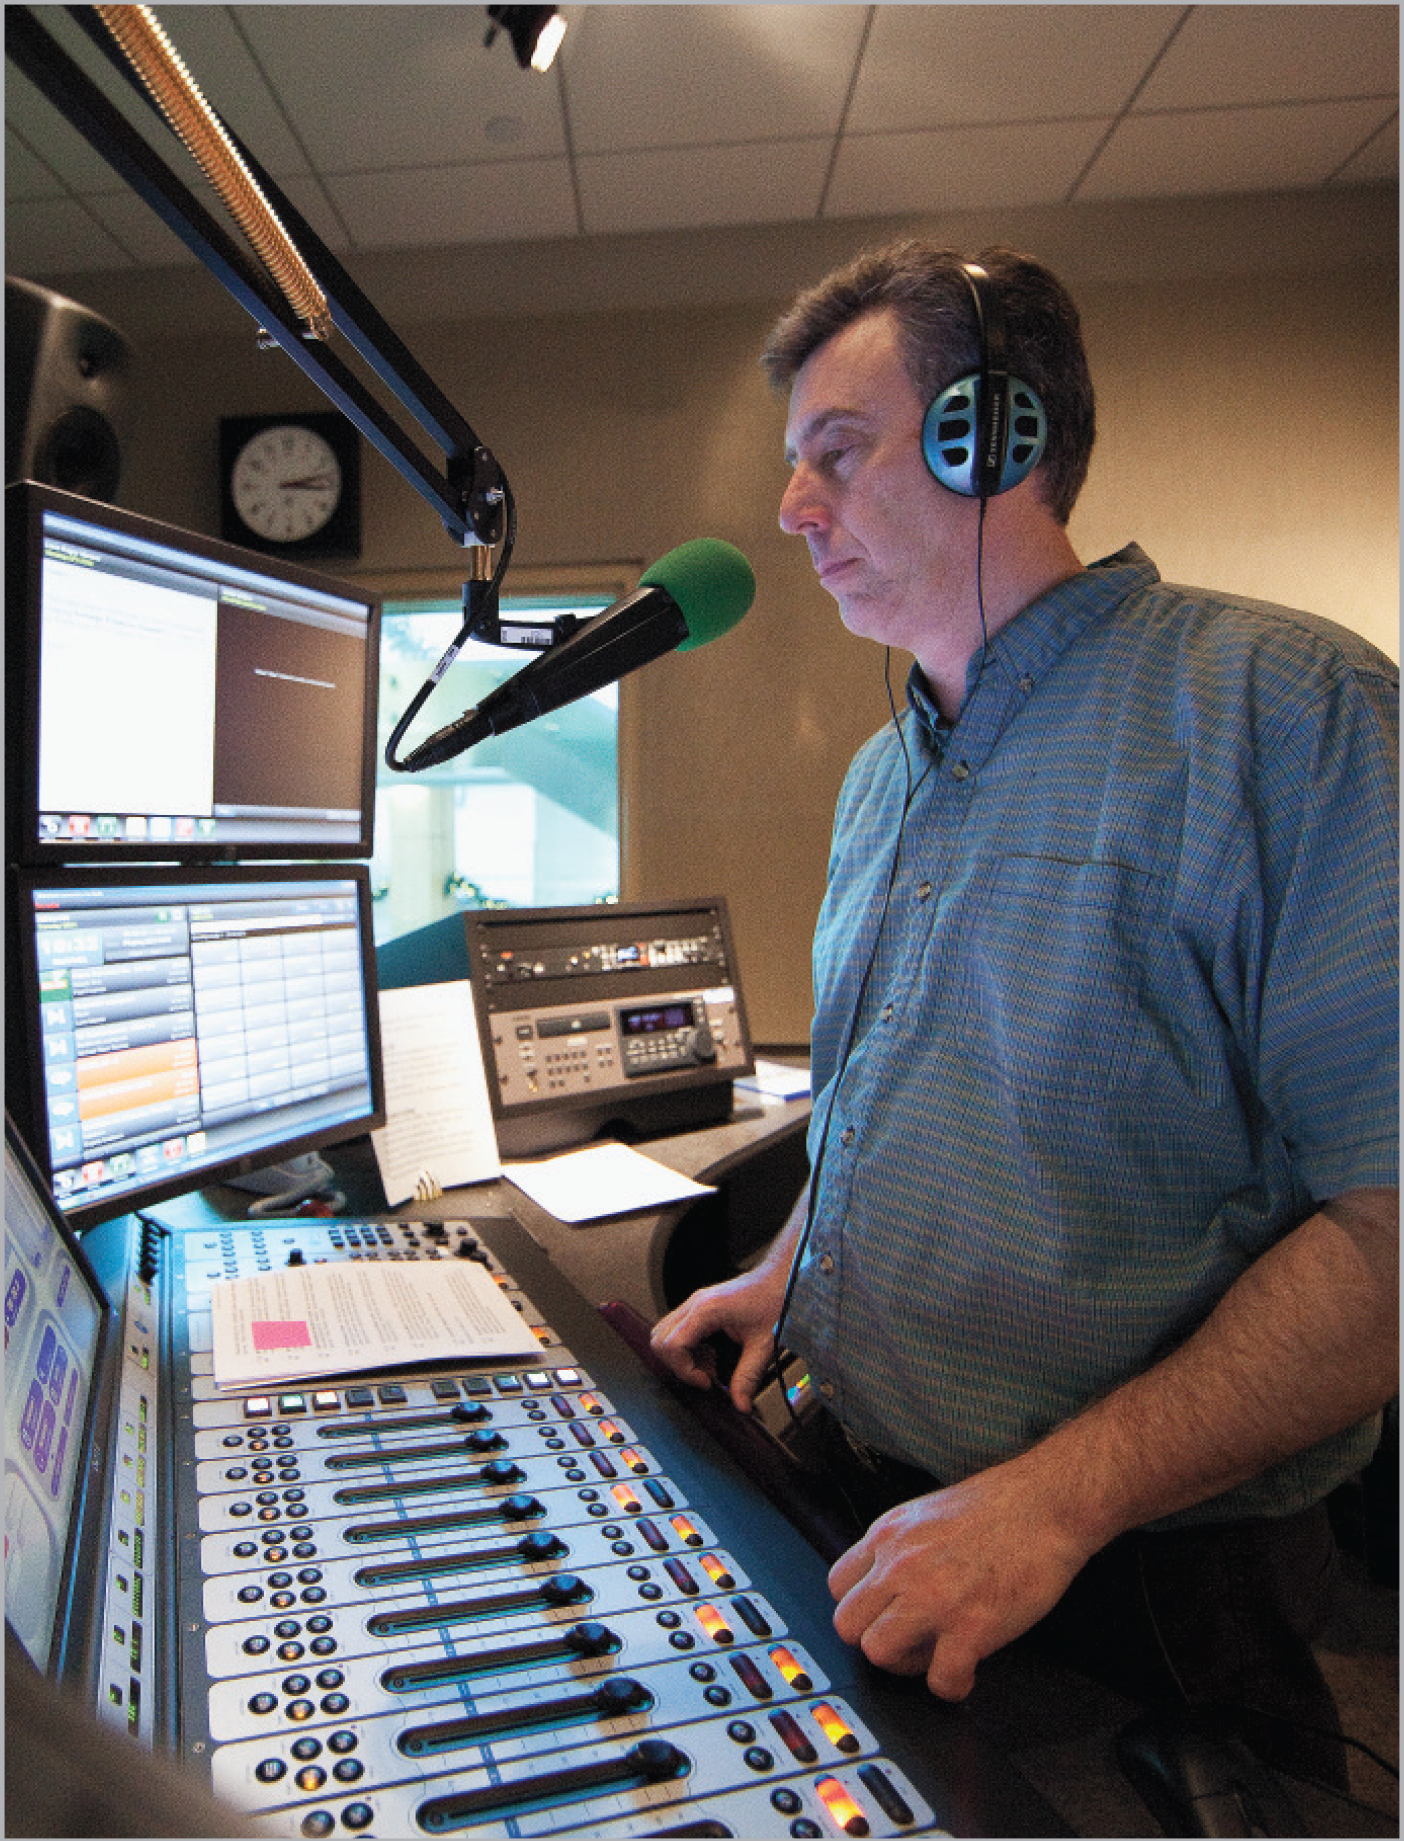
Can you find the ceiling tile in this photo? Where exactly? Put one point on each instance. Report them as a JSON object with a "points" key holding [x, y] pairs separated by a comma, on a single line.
{"points": [[960, 169], [932, 66], [1246, 54], [145, 235], [374, 87], [656, 76], [46, 237], [26, 175], [456, 204], [663, 188], [1228, 150], [1377, 160], [45, 132]]}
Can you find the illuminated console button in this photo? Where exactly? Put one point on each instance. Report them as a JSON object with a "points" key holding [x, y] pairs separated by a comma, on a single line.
{"points": [[841, 1806], [567, 1377], [717, 1571], [685, 1531], [258, 1406], [326, 1400], [792, 1673], [835, 1728], [292, 1403], [714, 1624], [537, 1380]]}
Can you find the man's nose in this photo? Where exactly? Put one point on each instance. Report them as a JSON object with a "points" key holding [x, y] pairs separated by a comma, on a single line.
{"points": [[802, 506]]}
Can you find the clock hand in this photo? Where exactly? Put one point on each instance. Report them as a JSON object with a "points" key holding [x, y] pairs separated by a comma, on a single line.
{"points": [[314, 482]]}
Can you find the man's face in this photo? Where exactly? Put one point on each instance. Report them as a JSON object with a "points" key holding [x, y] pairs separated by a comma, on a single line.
{"points": [[895, 549]]}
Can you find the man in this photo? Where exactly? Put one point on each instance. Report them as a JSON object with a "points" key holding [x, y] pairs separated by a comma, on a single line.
{"points": [[1100, 1271]]}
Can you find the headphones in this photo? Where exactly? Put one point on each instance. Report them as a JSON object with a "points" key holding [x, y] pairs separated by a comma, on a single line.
{"points": [[987, 431]]}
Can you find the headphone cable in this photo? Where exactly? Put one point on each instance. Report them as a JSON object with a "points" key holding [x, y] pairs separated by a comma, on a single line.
{"points": [[910, 790]]}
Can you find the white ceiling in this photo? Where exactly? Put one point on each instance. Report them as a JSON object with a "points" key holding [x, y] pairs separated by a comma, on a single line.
{"points": [[393, 127]]}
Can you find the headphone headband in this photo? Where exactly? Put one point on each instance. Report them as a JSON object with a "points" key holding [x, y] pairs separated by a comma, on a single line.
{"points": [[986, 432]]}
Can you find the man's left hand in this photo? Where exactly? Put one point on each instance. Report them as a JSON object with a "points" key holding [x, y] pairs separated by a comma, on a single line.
{"points": [[939, 1583]]}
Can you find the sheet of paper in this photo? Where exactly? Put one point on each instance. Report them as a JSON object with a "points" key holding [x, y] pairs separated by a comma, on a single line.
{"points": [[438, 1125], [602, 1180], [774, 1080], [302, 1322]]}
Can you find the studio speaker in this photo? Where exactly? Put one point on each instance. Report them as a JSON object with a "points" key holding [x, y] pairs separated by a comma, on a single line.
{"points": [[66, 373]]}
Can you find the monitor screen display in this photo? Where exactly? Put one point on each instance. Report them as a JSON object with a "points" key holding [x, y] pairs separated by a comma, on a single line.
{"points": [[54, 1316], [173, 698], [176, 1026]]}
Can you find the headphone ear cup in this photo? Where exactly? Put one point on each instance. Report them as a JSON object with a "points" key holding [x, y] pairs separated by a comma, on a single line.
{"points": [[949, 437]]}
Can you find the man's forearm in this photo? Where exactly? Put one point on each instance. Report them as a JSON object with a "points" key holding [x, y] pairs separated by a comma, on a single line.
{"points": [[1304, 1344]]}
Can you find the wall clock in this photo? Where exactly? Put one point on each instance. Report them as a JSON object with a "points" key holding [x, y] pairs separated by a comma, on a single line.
{"points": [[291, 484]]}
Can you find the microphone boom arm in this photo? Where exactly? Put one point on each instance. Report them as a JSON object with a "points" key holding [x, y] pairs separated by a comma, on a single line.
{"points": [[468, 490]]}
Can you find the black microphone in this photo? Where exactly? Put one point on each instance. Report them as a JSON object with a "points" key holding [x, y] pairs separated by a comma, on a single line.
{"points": [[690, 596]]}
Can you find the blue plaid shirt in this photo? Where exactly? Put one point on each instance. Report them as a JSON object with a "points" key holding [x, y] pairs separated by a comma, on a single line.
{"points": [[1132, 1011]]}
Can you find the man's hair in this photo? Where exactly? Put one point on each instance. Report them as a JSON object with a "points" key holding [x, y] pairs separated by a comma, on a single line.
{"points": [[924, 286]]}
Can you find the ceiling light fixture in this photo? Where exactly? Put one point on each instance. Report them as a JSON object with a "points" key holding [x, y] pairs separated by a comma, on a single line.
{"points": [[535, 31]]}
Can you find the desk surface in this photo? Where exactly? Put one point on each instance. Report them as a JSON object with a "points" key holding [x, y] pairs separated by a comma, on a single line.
{"points": [[621, 1259]]}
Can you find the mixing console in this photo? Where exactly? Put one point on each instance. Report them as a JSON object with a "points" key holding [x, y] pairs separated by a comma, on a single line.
{"points": [[525, 1599]]}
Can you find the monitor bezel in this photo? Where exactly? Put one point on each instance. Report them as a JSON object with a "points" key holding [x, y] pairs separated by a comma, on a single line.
{"points": [[24, 1060], [26, 502]]}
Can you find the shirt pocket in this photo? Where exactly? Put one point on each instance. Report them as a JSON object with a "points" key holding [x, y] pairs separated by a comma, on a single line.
{"points": [[1066, 978]]}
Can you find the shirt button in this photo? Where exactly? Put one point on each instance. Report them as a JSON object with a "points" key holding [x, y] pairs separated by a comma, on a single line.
{"points": [[826, 1263], [887, 1012], [847, 1135], [960, 771], [924, 892], [827, 1389], [1026, 685]]}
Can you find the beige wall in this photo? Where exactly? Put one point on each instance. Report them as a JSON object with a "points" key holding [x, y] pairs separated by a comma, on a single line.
{"points": [[1246, 360]]}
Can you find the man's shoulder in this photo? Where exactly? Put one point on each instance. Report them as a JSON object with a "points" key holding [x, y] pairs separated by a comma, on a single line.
{"points": [[1219, 629]]}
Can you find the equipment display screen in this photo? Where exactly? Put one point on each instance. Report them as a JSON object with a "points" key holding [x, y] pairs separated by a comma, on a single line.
{"points": [[193, 699], [658, 1017], [53, 1324], [183, 1024]]}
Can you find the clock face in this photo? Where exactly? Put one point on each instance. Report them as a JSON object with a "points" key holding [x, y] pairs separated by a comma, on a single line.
{"points": [[286, 483]]}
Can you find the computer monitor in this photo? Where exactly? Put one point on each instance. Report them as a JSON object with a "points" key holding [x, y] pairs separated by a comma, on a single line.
{"points": [[171, 1027], [173, 698], [58, 1327]]}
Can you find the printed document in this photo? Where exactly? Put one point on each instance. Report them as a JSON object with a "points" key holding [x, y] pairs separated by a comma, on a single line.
{"points": [[302, 1322]]}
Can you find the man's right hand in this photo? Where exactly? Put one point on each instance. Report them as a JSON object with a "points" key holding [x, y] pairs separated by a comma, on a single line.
{"points": [[745, 1309]]}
